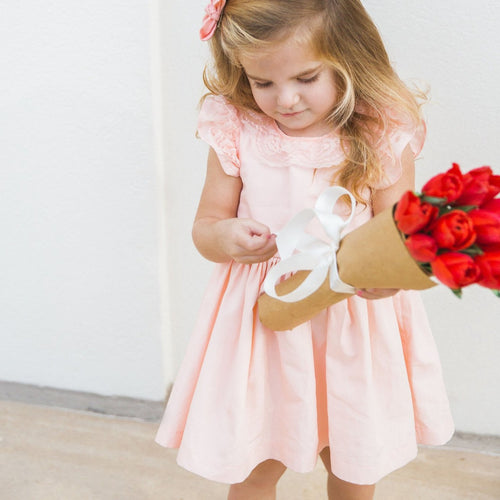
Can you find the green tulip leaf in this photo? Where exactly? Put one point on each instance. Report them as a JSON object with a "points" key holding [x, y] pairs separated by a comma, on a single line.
{"points": [[473, 250], [433, 200], [466, 208]]}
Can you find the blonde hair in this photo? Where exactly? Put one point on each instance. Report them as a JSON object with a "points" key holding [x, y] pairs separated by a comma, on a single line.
{"points": [[372, 98]]}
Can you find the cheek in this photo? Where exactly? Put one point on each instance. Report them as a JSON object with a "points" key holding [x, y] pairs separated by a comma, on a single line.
{"points": [[331, 92], [263, 100]]}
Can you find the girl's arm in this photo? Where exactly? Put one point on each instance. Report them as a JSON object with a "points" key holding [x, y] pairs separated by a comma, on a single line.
{"points": [[217, 232], [385, 198]]}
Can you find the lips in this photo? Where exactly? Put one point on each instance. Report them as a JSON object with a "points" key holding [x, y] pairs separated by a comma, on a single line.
{"points": [[290, 115]]}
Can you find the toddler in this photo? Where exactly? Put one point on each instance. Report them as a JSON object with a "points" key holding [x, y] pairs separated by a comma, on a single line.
{"points": [[302, 96]]}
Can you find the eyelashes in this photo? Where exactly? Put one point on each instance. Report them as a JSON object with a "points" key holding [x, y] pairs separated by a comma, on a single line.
{"points": [[310, 79], [265, 85], [262, 85]]}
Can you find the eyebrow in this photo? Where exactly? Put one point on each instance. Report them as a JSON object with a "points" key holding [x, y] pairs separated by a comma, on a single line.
{"points": [[301, 74]]}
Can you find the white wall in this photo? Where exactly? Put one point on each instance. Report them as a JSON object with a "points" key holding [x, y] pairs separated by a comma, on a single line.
{"points": [[88, 283], [452, 47], [79, 205], [185, 159]]}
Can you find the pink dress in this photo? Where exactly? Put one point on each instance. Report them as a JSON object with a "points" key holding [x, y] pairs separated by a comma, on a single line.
{"points": [[363, 377]]}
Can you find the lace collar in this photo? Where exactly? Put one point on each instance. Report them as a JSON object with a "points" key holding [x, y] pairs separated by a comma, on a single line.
{"points": [[279, 149]]}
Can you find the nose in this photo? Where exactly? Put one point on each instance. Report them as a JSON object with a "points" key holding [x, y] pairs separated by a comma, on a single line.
{"points": [[288, 97]]}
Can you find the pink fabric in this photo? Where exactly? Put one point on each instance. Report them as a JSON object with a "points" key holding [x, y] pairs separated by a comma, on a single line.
{"points": [[393, 147], [363, 377], [213, 11]]}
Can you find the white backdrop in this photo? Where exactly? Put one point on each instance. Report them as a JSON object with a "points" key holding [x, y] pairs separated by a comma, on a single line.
{"points": [[101, 173], [79, 205], [446, 45]]}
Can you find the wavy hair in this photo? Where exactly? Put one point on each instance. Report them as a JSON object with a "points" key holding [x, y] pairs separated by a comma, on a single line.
{"points": [[372, 98]]}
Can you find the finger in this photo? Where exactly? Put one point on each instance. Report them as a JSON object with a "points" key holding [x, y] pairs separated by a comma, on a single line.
{"points": [[267, 255], [256, 228], [258, 243], [260, 255], [269, 245], [376, 293]]}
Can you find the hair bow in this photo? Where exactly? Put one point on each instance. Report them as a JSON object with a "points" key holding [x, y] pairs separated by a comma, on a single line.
{"points": [[213, 11]]}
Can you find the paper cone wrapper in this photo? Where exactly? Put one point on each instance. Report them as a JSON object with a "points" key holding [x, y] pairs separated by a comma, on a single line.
{"points": [[372, 256]]}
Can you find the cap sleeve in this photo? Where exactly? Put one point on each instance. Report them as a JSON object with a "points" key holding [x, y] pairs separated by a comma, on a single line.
{"points": [[219, 125], [392, 150]]}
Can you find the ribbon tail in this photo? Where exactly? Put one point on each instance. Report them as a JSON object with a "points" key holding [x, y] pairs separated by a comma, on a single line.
{"points": [[336, 284], [292, 234], [302, 262]]}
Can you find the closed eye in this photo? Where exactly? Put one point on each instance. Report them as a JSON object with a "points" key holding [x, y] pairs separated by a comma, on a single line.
{"points": [[309, 80], [262, 85]]}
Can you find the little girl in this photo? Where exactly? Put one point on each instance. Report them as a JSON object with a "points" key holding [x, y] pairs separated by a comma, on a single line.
{"points": [[302, 96]]}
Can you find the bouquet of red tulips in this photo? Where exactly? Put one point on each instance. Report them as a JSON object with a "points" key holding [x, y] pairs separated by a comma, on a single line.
{"points": [[452, 228]]}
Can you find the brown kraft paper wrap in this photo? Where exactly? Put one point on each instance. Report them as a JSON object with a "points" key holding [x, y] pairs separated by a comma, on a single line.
{"points": [[372, 256]]}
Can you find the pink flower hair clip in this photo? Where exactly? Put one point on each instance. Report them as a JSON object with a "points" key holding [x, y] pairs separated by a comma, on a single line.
{"points": [[213, 12]]}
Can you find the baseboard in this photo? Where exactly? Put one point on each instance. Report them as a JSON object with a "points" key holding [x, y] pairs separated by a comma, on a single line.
{"points": [[482, 443], [119, 406]]}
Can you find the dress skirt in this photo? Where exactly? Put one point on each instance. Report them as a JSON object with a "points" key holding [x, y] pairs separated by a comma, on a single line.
{"points": [[363, 377]]}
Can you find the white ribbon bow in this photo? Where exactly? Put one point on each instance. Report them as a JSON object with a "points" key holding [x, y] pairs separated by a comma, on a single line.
{"points": [[315, 254]]}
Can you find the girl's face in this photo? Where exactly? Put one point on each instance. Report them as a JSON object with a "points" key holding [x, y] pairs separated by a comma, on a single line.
{"points": [[291, 86]]}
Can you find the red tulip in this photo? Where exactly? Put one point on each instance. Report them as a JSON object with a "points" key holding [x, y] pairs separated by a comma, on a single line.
{"points": [[480, 185], [412, 215], [489, 265], [448, 185], [454, 231], [494, 187], [455, 270], [492, 206], [486, 226], [422, 247], [491, 248]]}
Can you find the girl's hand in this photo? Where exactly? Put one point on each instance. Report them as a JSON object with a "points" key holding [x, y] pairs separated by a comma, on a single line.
{"points": [[217, 232], [376, 293], [245, 240]]}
